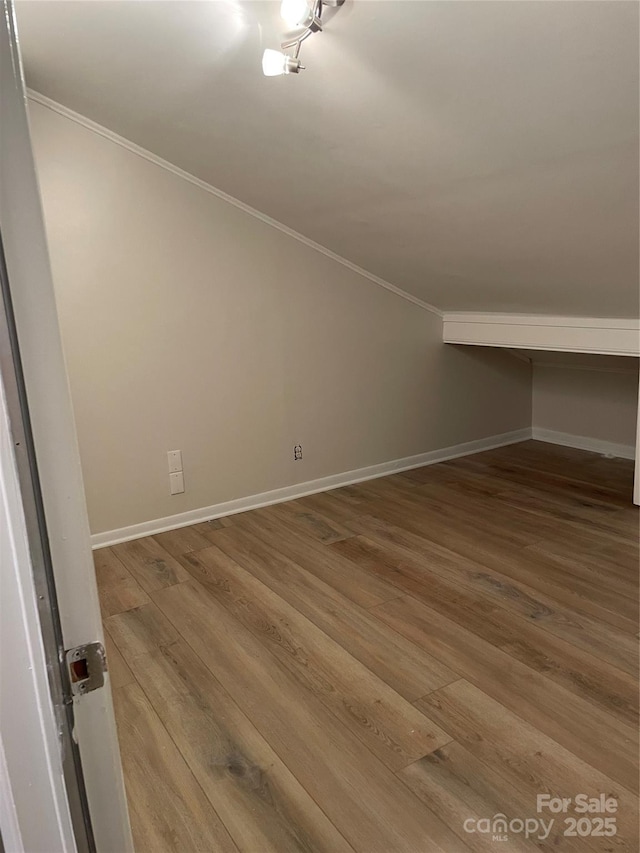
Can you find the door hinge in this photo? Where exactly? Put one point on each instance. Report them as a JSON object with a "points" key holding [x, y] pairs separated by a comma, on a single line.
{"points": [[87, 665]]}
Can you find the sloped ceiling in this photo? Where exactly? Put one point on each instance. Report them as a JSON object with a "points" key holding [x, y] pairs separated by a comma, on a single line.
{"points": [[479, 155]]}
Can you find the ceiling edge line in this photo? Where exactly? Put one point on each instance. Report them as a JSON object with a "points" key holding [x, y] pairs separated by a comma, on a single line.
{"points": [[99, 129], [589, 368]]}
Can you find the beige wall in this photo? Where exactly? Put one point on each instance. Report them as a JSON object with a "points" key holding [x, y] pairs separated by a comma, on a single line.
{"points": [[597, 401], [190, 324]]}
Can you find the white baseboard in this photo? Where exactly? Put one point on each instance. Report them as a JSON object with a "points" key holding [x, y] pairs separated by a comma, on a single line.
{"points": [[299, 490], [582, 442]]}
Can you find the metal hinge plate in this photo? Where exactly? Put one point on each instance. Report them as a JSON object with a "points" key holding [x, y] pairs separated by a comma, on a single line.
{"points": [[87, 665]]}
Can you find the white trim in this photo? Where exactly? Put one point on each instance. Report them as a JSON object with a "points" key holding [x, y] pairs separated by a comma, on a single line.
{"points": [[583, 442], [606, 336], [299, 490], [93, 126], [11, 835], [636, 477], [31, 772], [542, 320]]}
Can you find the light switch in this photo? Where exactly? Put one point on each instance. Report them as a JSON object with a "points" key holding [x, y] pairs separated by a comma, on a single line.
{"points": [[175, 460], [176, 482]]}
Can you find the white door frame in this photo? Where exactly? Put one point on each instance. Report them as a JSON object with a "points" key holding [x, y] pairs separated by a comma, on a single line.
{"points": [[31, 769], [636, 479], [59, 477], [31, 766]]}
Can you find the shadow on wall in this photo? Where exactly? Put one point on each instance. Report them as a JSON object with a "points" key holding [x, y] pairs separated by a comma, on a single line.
{"points": [[485, 391]]}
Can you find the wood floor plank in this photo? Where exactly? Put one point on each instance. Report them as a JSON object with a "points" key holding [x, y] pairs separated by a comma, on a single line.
{"points": [[571, 462], [616, 472], [463, 790], [358, 793], [168, 809], [548, 706], [599, 565], [450, 508], [590, 521], [311, 523], [394, 485], [204, 528], [119, 672], [556, 505], [486, 585], [528, 760], [401, 664], [331, 505], [511, 519], [507, 628], [260, 802], [506, 521], [385, 722], [150, 564], [328, 566], [543, 574], [349, 494], [469, 482], [588, 579], [571, 514], [141, 630], [117, 589], [182, 540], [578, 484], [558, 471]]}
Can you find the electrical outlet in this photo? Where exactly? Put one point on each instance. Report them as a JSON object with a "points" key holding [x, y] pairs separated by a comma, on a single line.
{"points": [[297, 452]]}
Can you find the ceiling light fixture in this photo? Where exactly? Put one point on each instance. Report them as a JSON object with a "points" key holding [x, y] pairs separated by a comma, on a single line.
{"points": [[295, 13], [298, 14]]}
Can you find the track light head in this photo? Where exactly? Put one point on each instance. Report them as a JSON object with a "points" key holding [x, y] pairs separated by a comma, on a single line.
{"points": [[274, 62], [295, 13]]}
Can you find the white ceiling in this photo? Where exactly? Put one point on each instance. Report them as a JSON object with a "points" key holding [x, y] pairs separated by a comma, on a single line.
{"points": [[480, 155]]}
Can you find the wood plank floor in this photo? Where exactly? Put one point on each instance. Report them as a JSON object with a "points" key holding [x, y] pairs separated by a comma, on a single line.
{"points": [[387, 667]]}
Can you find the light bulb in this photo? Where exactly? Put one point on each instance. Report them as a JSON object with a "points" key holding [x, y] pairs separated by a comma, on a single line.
{"points": [[273, 63], [295, 13]]}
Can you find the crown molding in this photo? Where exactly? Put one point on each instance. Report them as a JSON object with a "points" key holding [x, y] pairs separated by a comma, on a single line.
{"points": [[93, 126]]}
